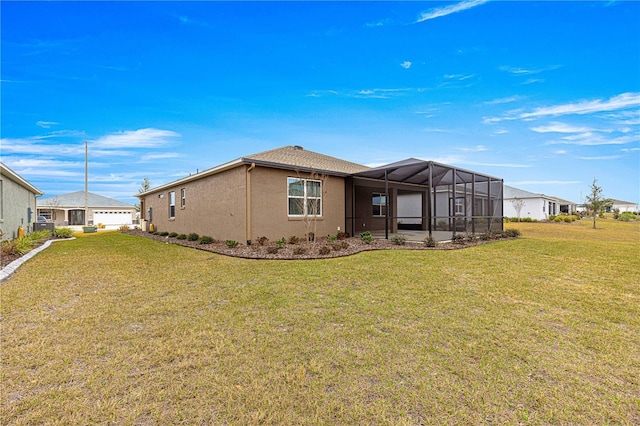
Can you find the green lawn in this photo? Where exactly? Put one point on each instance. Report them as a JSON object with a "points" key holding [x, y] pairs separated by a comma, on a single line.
{"points": [[115, 329]]}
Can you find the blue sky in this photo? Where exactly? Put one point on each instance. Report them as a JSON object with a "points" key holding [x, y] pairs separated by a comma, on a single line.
{"points": [[543, 94]]}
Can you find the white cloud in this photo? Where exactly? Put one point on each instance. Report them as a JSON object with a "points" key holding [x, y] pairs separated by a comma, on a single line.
{"points": [[630, 149], [501, 132], [503, 100], [406, 65], [162, 155], [525, 71], [588, 139], [448, 10], [622, 101], [46, 124], [141, 138], [557, 127], [477, 148], [603, 157]]}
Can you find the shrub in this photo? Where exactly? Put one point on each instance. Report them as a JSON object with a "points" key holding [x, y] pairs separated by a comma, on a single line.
{"points": [[9, 247], [324, 250], [511, 233], [526, 219], [485, 236], [366, 237], [627, 217], [340, 245], [262, 240], [272, 249], [430, 242], [193, 237], [63, 232], [293, 240], [558, 219], [458, 239], [281, 243], [331, 238], [311, 236], [552, 217], [206, 240], [173, 234], [124, 228], [399, 240], [163, 234], [299, 250], [231, 243], [342, 235], [181, 236], [568, 219]]}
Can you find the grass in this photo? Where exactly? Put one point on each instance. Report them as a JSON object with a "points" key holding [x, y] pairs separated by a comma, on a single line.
{"points": [[115, 329]]}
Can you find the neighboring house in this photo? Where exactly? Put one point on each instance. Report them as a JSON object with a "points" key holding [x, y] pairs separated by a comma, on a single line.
{"points": [[292, 191], [534, 206], [17, 203], [69, 209], [622, 206]]}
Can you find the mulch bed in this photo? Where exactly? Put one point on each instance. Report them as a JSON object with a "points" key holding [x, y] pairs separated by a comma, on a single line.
{"points": [[311, 249]]}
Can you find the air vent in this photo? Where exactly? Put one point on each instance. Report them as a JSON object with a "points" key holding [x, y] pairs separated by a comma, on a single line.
{"points": [[298, 147]]}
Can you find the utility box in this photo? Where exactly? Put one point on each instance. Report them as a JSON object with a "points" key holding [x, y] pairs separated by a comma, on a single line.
{"points": [[40, 226], [89, 229]]}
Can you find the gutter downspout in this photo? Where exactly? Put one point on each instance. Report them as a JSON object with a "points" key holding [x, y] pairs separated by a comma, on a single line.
{"points": [[248, 218]]}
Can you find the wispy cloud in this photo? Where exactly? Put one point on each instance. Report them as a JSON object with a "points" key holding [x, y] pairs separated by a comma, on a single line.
{"points": [[376, 93], [558, 127], [141, 138], [477, 148], [46, 124], [406, 65], [160, 156], [622, 101], [528, 71], [459, 77], [448, 10], [630, 149], [506, 100], [602, 157]]}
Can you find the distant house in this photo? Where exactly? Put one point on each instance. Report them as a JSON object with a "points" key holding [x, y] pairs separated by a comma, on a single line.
{"points": [[17, 203], [69, 209], [533, 205], [623, 206], [292, 191]]}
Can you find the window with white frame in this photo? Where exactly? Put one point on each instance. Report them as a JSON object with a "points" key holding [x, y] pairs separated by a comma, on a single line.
{"points": [[183, 197], [459, 206], [304, 197], [379, 202], [172, 204]]}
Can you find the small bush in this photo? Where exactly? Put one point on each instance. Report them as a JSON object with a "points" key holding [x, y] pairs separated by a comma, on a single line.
{"points": [[173, 234], [552, 217], [569, 219], [193, 237], [331, 238], [293, 240], [272, 249], [124, 228], [627, 217], [299, 250], [311, 236], [430, 242], [63, 232], [512, 233], [485, 236], [526, 219], [163, 234], [366, 237], [558, 219], [281, 243], [9, 247], [458, 239], [181, 236], [206, 239], [399, 240], [324, 250], [231, 243], [342, 235], [340, 245], [263, 240]]}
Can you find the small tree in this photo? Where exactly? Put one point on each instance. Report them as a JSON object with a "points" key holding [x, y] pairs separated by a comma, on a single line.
{"points": [[595, 201], [517, 204], [144, 187]]}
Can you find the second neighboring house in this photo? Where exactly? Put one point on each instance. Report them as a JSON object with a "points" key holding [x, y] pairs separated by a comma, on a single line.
{"points": [[17, 203], [623, 206], [291, 191], [69, 209], [520, 203]]}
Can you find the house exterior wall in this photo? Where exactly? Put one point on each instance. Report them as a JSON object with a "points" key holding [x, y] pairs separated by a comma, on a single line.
{"points": [[269, 206], [216, 205], [14, 208], [536, 208], [625, 207]]}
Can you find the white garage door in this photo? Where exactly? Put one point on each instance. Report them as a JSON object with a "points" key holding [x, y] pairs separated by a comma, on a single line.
{"points": [[112, 217]]}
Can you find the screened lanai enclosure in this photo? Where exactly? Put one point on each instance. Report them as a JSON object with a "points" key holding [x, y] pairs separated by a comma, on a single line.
{"points": [[418, 198]]}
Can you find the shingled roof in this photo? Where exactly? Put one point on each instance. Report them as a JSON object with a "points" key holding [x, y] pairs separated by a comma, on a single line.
{"points": [[76, 199], [298, 157]]}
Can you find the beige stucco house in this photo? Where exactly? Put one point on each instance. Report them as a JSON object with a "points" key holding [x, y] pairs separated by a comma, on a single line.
{"points": [[17, 203], [292, 191]]}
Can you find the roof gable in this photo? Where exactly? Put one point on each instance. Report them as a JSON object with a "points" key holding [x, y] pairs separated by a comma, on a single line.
{"points": [[298, 157]]}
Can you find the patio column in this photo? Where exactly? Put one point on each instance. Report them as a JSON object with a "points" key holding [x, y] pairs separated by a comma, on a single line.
{"points": [[432, 195], [386, 199]]}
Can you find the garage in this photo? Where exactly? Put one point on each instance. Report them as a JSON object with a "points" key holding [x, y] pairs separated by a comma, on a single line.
{"points": [[112, 217]]}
